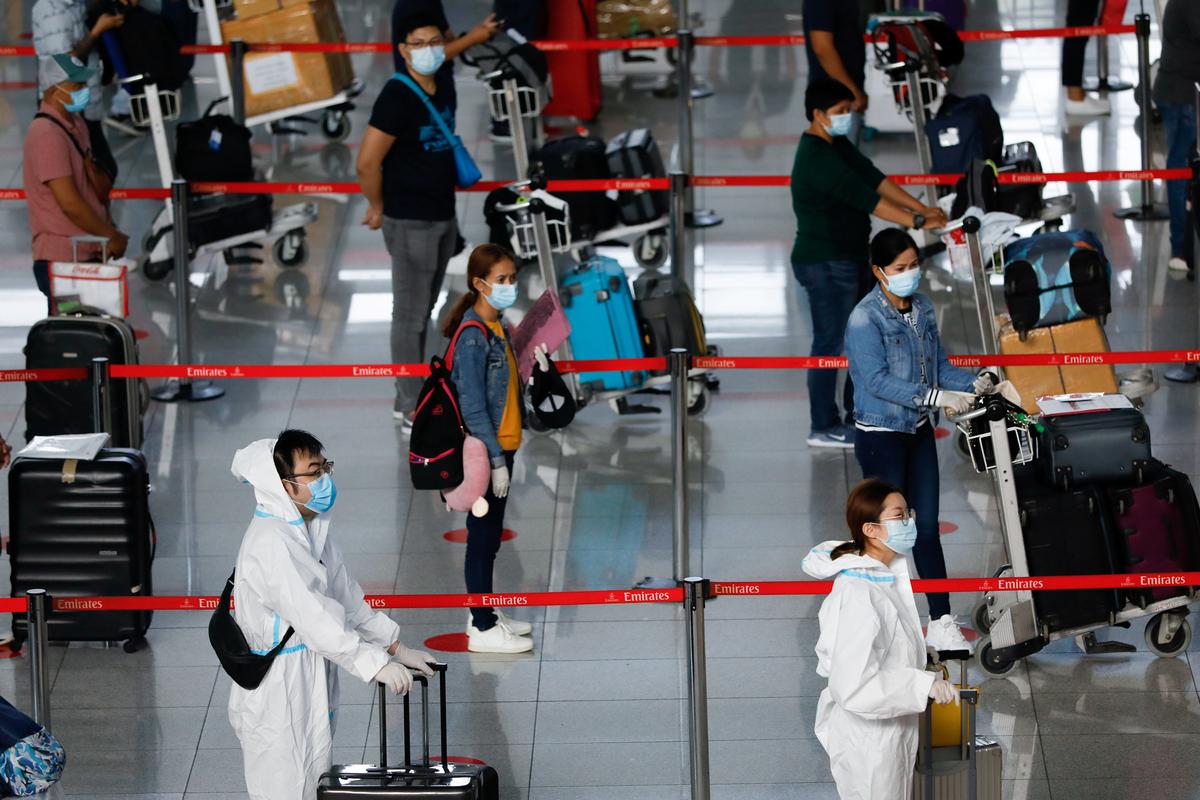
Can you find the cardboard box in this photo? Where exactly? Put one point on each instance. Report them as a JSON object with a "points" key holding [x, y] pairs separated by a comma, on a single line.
{"points": [[1080, 336], [255, 8], [276, 81]]}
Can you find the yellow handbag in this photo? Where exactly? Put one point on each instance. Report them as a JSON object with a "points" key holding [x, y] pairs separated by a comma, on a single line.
{"points": [[950, 720]]}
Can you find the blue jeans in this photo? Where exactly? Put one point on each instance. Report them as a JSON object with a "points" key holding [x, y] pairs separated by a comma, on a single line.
{"points": [[834, 289], [1179, 122], [483, 542], [909, 461]]}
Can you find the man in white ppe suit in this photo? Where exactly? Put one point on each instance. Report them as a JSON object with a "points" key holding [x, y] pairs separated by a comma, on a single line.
{"points": [[290, 573]]}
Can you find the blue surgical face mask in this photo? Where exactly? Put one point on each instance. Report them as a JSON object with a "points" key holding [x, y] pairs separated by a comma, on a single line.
{"points": [[79, 100], [902, 534], [428, 60], [905, 284], [324, 492], [840, 124], [503, 295]]}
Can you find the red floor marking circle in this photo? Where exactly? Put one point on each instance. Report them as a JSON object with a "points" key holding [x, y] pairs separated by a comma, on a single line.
{"points": [[940, 433], [459, 535], [448, 643], [6, 651], [464, 760], [945, 526]]}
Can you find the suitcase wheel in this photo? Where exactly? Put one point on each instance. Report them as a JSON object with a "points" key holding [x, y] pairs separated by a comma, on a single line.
{"points": [[1140, 434], [1061, 443]]}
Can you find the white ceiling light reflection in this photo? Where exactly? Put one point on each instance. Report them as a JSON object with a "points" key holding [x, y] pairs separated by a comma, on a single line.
{"points": [[369, 307], [20, 308]]}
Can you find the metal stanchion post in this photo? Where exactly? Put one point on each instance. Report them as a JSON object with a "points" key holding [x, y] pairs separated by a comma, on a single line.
{"points": [[35, 624], [679, 360], [184, 388], [1147, 211], [101, 396], [695, 218], [679, 232], [699, 88], [917, 100], [237, 84], [696, 592]]}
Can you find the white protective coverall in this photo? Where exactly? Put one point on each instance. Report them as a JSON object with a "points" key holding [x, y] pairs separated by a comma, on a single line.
{"points": [[872, 651], [290, 573]]}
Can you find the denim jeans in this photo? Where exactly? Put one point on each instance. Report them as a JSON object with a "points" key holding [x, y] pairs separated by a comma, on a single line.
{"points": [[1179, 122], [834, 289], [909, 461], [483, 542]]}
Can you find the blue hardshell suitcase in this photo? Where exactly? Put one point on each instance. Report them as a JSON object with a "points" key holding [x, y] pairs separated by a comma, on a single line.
{"points": [[599, 305]]}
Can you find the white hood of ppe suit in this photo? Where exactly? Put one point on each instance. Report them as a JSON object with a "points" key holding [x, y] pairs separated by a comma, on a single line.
{"points": [[290, 573], [872, 651]]}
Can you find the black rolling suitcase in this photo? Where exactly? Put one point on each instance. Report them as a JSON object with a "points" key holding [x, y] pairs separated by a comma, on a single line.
{"points": [[442, 779], [1096, 447], [82, 529], [634, 155], [1069, 533], [581, 158], [213, 217], [72, 341], [668, 315]]}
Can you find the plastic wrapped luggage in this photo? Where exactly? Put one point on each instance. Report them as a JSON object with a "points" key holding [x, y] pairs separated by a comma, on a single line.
{"points": [[1069, 533], [72, 341], [213, 148], [599, 306], [423, 778], [634, 155], [581, 158], [1091, 447], [668, 314], [215, 217], [1158, 528], [965, 129], [83, 529], [1056, 277]]}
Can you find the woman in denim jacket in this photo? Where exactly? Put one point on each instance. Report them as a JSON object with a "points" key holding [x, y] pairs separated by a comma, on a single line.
{"points": [[901, 377], [492, 402]]}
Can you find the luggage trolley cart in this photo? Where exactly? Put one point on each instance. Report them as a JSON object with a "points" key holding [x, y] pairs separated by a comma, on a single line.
{"points": [[287, 225], [897, 73], [999, 436], [335, 116]]}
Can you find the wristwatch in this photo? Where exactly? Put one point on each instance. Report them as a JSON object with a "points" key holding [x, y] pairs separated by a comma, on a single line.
{"points": [[918, 221]]}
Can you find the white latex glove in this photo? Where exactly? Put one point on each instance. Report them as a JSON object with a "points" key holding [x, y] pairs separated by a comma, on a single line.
{"points": [[1009, 393], [541, 354], [395, 677], [943, 693], [500, 481], [984, 384], [416, 660], [955, 403], [931, 654]]}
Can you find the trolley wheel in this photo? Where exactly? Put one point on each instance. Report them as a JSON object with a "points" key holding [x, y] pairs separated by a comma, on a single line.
{"points": [[989, 662], [962, 446], [1178, 643], [336, 160], [983, 622], [133, 645], [156, 270], [291, 249], [697, 398], [651, 250], [335, 125]]}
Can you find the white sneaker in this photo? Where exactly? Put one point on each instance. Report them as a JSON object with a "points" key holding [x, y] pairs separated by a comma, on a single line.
{"points": [[1089, 106], [1177, 264], [405, 420], [518, 627], [944, 634], [497, 639]]}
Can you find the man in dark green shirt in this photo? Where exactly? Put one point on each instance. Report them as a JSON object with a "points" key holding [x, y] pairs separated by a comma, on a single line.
{"points": [[835, 190]]}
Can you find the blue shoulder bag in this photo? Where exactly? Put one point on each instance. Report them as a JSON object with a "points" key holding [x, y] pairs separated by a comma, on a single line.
{"points": [[468, 172]]}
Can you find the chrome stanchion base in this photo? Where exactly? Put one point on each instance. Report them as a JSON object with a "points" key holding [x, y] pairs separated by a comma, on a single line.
{"points": [[1148, 213], [194, 392], [1107, 85], [703, 218]]}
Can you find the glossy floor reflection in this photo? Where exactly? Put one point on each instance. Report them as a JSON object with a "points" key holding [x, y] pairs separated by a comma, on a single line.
{"points": [[596, 712]]}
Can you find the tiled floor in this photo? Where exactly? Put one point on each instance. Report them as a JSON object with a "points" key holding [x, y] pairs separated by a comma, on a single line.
{"points": [[596, 712]]}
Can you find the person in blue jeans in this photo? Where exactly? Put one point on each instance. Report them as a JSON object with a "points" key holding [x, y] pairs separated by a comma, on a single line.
{"points": [[1174, 94], [835, 190], [901, 377]]}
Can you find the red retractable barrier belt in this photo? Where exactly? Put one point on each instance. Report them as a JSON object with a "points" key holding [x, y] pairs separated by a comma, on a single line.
{"points": [[966, 585], [53, 374]]}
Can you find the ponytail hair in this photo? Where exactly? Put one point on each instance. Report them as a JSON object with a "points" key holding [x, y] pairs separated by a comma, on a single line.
{"points": [[479, 265], [864, 505]]}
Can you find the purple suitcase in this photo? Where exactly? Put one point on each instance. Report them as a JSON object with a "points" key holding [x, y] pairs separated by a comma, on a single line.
{"points": [[1158, 526]]}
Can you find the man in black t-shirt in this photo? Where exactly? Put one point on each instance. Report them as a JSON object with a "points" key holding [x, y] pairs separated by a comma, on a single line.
{"points": [[833, 32], [403, 9], [407, 172]]}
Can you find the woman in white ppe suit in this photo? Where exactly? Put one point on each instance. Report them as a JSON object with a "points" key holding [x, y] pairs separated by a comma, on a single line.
{"points": [[871, 649], [289, 573]]}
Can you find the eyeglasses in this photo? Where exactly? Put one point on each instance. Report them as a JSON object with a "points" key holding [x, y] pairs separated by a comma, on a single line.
{"points": [[434, 42], [910, 515], [325, 469]]}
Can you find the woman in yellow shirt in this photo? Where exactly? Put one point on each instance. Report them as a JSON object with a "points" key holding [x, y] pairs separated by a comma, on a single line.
{"points": [[484, 370]]}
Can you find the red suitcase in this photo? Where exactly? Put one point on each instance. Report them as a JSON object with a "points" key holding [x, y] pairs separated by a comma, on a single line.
{"points": [[574, 74], [1158, 527]]}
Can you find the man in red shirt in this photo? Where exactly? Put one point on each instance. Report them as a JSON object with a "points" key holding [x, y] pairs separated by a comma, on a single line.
{"points": [[66, 192]]}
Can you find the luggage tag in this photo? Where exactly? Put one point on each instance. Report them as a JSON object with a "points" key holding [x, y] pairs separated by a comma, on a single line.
{"points": [[214, 140]]}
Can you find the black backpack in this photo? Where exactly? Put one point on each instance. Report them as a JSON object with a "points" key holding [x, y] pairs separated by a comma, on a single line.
{"points": [[435, 455], [214, 148]]}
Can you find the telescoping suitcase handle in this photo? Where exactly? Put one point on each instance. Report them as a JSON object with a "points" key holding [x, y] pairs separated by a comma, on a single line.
{"points": [[440, 669], [969, 699]]}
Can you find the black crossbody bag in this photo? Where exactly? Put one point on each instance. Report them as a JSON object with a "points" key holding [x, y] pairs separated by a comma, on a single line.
{"points": [[246, 667]]}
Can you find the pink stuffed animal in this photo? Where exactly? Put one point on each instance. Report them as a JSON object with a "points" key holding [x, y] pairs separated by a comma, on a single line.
{"points": [[477, 473]]}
